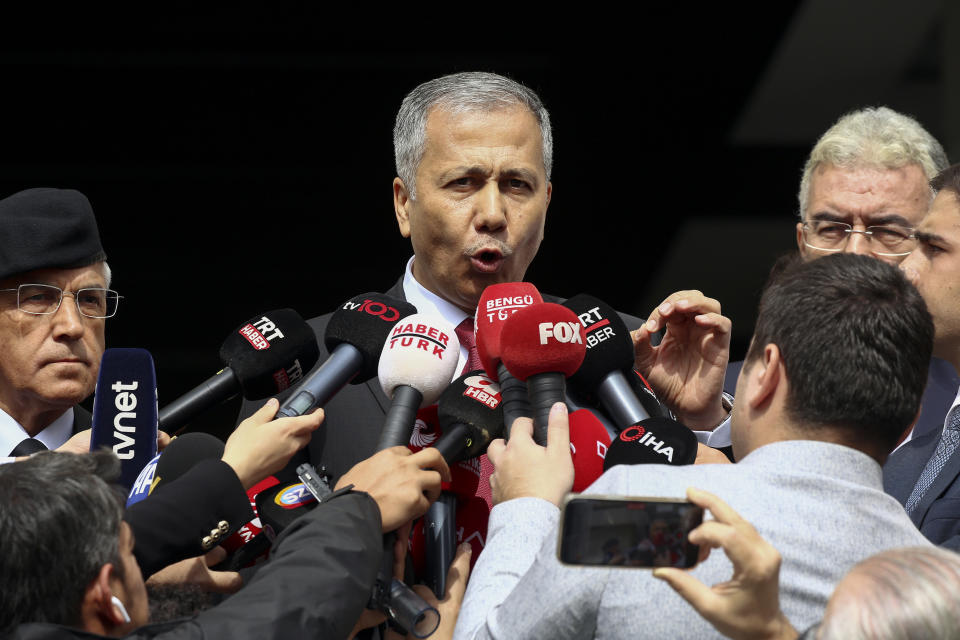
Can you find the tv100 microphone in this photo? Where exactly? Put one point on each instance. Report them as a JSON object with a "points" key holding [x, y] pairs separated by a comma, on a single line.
{"points": [[125, 410]]}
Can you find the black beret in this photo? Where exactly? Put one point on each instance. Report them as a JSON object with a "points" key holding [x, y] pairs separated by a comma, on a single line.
{"points": [[47, 229]]}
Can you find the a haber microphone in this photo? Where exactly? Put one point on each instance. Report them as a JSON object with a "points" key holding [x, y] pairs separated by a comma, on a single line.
{"points": [[125, 410], [542, 344], [497, 303], [182, 454], [417, 361], [653, 441], [354, 337], [261, 357], [609, 354], [589, 442]]}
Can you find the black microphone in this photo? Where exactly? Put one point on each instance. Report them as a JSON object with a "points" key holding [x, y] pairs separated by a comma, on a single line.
{"points": [[354, 337], [183, 453], [653, 441], [261, 358]]}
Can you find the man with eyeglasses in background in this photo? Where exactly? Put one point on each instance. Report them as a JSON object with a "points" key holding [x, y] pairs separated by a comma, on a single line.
{"points": [[54, 301]]}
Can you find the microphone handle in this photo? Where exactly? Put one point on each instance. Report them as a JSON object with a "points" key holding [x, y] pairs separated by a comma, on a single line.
{"points": [[342, 365], [398, 424], [617, 397], [214, 390], [453, 442], [439, 528], [545, 389], [515, 403]]}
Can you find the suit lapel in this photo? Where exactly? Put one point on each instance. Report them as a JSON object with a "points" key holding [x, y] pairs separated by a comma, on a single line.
{"points": [[946, 478]]}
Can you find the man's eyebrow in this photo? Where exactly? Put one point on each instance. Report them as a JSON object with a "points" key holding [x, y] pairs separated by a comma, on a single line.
{"points": [[872, 221], [829, 217], [926, 237], [526, 174]]}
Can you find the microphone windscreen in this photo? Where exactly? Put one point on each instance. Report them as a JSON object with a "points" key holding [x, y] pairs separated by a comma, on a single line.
{"points": [[280, 505], [641, 389], [365, 321], [542, 338], [421, 351], [125, 410], [472, 400], [653, 441], [589, 442], [245, 534], [497, 303], [608, 342], [183, 453], [270, 352]]}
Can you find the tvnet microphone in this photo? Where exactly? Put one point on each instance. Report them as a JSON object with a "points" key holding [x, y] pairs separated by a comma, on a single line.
{"points": [[125, 410], [354, 337], [653, 441], [497, 303], [542, 344], [589, 442], [261, 358], [609, 354], [418, 359]]}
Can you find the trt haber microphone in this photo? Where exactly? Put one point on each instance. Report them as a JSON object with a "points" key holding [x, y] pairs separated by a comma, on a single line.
{"points": [[261, 357], [354, 337], [470, 415], [543, 344], [125, 410], [653, 441], [609, 354], [589, 442], [497, 303], [418, 359]]}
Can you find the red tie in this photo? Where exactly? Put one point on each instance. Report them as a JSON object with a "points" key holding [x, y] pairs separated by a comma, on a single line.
{"points": [[468, 339]]}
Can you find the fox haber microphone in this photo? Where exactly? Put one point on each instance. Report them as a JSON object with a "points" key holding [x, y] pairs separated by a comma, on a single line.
{"points": [[542, 344], [609, 354], [497, 303], [261, 358], [125, 410], [656, 440], [354, 337]]}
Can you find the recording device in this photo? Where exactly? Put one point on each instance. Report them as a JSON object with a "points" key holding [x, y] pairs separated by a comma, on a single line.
{"points": [[440, 541], [653, 441], [354, 337], [125, 410], [639, 533], [261, 357], [497, 303], [542, 344]]}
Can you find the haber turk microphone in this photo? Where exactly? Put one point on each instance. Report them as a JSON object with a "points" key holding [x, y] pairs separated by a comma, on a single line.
{"points": [[262, 357], [653, 441], [125, 410], [497, 303], [542, 344], [354, 337]]}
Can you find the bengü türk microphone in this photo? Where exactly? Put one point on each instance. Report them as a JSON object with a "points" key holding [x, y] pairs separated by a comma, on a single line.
{"points": [[418, 359], [261, 358], [354, 337], [542, 344], [125, 410], [180, 456], [589, 442], [497, 303], [470, 415], [653, 441], [609, 354]]}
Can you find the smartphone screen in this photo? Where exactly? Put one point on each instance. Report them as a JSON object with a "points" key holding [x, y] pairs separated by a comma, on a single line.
{"points": [[610, 531]]}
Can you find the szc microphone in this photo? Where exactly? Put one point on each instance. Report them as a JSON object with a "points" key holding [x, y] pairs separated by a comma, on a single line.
{"points": [[261, 358], [656, 440], [354, 337]]}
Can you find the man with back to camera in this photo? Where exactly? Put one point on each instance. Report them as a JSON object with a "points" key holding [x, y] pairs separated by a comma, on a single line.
{"points": [[810, 428]]}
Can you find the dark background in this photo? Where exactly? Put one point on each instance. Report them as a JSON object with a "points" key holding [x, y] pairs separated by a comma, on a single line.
{"points": [[240, 160]]}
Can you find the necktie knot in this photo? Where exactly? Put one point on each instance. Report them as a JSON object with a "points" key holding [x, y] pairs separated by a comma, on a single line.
{"points": [[467, 338]]}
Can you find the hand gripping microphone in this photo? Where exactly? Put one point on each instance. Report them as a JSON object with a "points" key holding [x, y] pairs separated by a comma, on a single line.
{"points": [[653, 441], [125, 410], [609, 355], [542, 344], [261, 358], [497, 303], [354, 337]]}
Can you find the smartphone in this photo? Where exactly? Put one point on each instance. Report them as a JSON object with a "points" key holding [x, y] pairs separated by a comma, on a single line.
{"points": [[616, 531]]}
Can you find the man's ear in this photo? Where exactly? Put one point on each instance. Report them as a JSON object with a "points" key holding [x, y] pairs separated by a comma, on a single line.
{"points": [[800, 246], [401, 205], [766, 375], [549, 192], [99, 599]]}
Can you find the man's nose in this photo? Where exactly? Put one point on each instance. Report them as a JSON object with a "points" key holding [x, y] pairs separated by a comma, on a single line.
{"points": [[490, 207], [858, 243], [67, 320]]}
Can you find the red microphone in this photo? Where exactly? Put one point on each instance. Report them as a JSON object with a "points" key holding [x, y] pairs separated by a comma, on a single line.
{"points": [[543, 345], [589, 441]]}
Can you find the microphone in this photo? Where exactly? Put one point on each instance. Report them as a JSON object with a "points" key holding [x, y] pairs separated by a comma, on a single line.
{"points": [[418, 359], [261, 358], [589, 443], [354, 337], [470, 415], [609, 354], [497, 303], [125, 410], [181, 455], [653, 441], [542, 344]]}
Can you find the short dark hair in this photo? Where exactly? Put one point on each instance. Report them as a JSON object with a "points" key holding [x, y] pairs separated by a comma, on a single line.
{"points": [[60, 524], [856, 338], [948, 179]]}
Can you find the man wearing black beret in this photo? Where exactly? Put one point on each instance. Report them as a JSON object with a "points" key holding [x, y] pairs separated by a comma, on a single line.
{"points": [[54, 301]]}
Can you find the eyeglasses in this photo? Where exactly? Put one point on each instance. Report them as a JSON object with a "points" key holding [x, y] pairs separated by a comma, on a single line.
{"points": [[44, 299], [885, 240]]}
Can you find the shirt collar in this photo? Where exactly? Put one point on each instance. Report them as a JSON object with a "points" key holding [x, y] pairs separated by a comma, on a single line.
{"points": [[431, 304], [817, 457], [54, 435]]}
